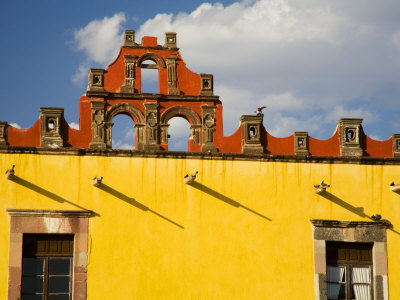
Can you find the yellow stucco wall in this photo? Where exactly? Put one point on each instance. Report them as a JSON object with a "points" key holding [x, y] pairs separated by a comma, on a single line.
{"points": [[242, 231]]}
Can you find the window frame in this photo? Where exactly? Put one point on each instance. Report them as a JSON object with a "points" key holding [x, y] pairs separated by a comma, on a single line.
{"points": [[49, 222], [325, 231]]}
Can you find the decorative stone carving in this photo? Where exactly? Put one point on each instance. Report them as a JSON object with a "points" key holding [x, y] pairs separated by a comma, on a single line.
{"points": [[301, 143], [172, 79], [51, 130], [129, 38], [350, 137], [96, 80], [207, 85], [170, 40], [164, 134], [195, 133], [396, 145], [251, 134], [208, 114], [101, 130], [3, 133], [152, 140], [130, 64]]}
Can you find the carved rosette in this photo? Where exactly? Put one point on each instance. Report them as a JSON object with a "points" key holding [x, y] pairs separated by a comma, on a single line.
{"points": [[152, 140], [3, 133], [350, 137], [172, 81], [208, 125], [101, 130], [251, 134], [130, 65]]}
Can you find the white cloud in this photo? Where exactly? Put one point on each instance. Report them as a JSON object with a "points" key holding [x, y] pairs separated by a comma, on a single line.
{"points": [[81, 74], [74, 125], [311, 62], [100, 39], [16, 125], [121, 145]]}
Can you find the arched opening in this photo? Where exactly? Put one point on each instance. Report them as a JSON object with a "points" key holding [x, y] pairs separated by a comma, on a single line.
{"points": [[149, 77], [179, 133], [123, 132]]}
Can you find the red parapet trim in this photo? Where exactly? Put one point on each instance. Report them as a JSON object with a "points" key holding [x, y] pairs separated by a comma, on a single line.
{"points": [[278, 145], [29, 137], [328, 147], [374, 148], [231, 144]]}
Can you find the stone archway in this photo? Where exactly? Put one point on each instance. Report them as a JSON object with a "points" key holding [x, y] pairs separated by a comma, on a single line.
{"points": [[151, 56], [134, 113], [187, 113]]}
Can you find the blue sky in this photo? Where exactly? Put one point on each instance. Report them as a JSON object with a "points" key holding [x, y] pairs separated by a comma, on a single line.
{"points": [[311, 62]]}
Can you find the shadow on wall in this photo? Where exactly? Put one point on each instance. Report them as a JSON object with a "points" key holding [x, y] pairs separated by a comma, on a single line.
{"points": [[356, 210], [133, 202], [225, 199], [47, 193]]}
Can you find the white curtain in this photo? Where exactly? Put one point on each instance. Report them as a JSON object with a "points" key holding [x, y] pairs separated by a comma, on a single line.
{"points": [[361, 275], [334, 274]]}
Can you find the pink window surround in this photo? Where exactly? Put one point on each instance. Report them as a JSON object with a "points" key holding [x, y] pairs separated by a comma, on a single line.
{"points": [[53, 222]]}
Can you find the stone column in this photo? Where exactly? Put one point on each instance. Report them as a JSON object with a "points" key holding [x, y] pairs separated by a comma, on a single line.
{"points": [[130, 65], [350, 137], [208, 125], [99, 126], [3, 133], [396, 145], [139, 133], [172, 80], [195, 133], [51, 130], [251, 134], [152, 127], [301, 143], [164, 133]]}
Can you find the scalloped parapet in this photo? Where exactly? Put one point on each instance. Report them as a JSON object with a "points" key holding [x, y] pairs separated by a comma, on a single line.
{"points": [[181, 92]]}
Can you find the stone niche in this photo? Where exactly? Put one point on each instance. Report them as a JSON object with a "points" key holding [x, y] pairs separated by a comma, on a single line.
{"points": [[51, 129], [251, 134], [350, 137]]}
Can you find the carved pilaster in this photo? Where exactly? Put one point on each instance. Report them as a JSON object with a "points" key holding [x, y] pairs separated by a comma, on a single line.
{"points": [[3, 133], [51, 130], [172, 81], [96, 80], [170, 40], [208, 116], [129, 38], [301, 143], [164, 133], [396, 144], [152, 140], [130, 65], [139, 133], [101, 131], [251, 134], [350, 137], [207, 85], [195, 133]]}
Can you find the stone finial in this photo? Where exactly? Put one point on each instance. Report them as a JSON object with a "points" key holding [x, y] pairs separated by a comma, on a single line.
{"points": [[207, 85], [129, 38], [170, 40], [96, 80], [301, 143], [3, 133], [396, 144], [51, 130], [350, 137], [251, 134]]}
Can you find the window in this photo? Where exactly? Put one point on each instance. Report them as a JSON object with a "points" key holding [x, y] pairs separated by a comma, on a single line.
{"points": [[343, 256], [47, 266], [349, 271]]}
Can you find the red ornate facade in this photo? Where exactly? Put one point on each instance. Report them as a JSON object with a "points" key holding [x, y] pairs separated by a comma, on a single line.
{"points": [[117, 90]]}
